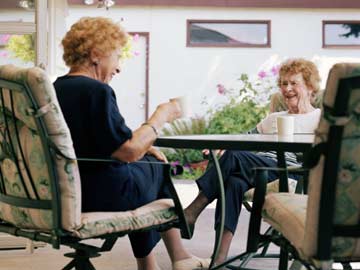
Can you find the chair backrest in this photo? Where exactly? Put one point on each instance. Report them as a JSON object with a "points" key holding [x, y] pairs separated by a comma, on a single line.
{"points": [[333, 208], [39, 187], [277, 103]]}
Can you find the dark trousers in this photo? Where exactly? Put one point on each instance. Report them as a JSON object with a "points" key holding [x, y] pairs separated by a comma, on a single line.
{"points": [[143, 184], [149, 180], [236, 168]]}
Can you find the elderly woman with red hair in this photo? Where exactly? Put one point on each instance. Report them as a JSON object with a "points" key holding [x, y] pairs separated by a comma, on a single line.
{"points": [[93, 49], [298, 81]]}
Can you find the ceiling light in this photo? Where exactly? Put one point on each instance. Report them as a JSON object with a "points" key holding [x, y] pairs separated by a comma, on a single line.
{"points": [[27, 4], [105, 3]]}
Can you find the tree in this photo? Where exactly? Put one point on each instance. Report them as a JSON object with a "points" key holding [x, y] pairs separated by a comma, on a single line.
{"points": [[354, 30]]}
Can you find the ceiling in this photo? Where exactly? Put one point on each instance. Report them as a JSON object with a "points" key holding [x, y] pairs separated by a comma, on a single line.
{"points": [[224, 3], [8, 4]]}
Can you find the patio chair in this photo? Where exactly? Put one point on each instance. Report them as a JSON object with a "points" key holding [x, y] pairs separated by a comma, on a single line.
{"points": [[293, 186], [324, 226], [40, 195]]}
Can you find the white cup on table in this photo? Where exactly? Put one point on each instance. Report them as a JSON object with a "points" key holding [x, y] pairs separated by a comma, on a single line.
{"points": [[285, 125], [185, 105]]}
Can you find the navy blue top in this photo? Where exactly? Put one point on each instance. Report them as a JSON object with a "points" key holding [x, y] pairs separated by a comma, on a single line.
{"points": [[97, 130]]}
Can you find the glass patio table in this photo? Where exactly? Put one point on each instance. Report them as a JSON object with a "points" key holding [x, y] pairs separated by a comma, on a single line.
{"points": [[246, 142]]}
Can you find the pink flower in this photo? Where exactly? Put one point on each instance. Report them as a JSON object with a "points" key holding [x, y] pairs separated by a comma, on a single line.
{"points": [[174, 163], [275, 70], [136, 37], [4, 54], [221, 89], [262, 74], [4, 38], [136, 53]]}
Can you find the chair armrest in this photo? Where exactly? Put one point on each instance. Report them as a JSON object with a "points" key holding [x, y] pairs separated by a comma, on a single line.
{"points": [[298, 170], [292, 169], [175, 169]]}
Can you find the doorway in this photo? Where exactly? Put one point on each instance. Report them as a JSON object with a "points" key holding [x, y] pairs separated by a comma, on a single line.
{"points": [[131, 86]]}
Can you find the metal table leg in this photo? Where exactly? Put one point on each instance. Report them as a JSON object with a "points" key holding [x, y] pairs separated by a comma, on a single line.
{"points": [[283, 175], [220, 229]]}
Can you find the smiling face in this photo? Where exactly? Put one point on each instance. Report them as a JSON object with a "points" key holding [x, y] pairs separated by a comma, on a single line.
{"points": [[107, 66], [296, 94]]}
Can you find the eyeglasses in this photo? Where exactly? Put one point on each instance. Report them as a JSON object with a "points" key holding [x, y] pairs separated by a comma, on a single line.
{"points": [[292, 83]]}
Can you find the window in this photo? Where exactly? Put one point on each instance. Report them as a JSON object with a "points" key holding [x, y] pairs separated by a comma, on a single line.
{"points": [[18, 49], [341, 34], [25, 24], [210, 33]]}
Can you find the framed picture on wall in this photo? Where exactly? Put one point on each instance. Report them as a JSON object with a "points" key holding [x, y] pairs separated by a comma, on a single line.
{"points": [[228, 33], [341, 34]]}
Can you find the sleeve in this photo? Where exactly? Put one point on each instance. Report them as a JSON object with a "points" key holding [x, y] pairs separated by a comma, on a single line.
{"points": [[109, 130], [259, 126], [267, 125]]}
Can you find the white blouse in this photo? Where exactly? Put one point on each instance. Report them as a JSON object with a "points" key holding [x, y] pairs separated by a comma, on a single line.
{"points": [[303, 122]]}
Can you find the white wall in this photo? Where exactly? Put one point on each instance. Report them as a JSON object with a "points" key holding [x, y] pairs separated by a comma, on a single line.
{"points": [[176, 69]]}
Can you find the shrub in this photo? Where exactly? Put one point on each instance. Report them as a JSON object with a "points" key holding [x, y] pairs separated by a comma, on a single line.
{"points": [[245, 105], [184, 127], [235, 118]]}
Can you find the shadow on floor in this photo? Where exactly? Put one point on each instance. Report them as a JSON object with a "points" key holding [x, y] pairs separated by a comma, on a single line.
{"points": [[121, 256]]}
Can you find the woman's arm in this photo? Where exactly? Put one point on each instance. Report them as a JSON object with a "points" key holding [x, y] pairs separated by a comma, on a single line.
{"points": [[143, 137]]}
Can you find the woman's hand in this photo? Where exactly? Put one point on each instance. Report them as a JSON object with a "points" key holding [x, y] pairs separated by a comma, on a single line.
{"points": [[157, 154], [143, 137], [167, 112], [218, 152]]}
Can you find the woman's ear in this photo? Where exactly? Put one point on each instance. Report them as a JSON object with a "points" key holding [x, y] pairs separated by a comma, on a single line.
{"points": [[95, 56]]}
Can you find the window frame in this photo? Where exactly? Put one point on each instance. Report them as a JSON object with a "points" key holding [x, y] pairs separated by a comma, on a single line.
{"points": [[36, 28], [217, 45], [238, 3], [340, 46]]}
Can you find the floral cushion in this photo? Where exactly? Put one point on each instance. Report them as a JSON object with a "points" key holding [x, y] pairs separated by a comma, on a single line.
{"points": [[270, 188], [286, 213], [26, 217], [83, 225], [347, 203], [34, 155], [99, 223]]}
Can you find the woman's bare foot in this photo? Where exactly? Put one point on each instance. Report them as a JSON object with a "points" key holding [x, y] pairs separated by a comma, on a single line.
{"points": [[195, 208], [193, 211]]}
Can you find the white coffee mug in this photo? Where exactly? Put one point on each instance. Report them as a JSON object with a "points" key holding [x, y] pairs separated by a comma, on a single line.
{"points": [[285, 125], [185, 105]]}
